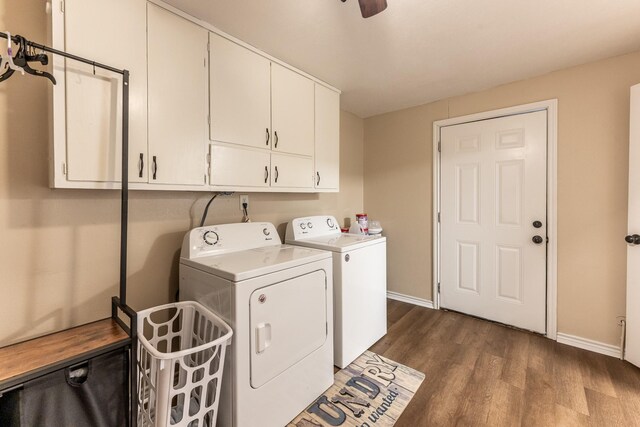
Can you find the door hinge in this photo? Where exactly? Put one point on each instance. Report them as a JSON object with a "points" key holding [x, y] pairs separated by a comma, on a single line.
{"points": [[438, 217], [209, 119], [62, 6], [326, 328], [439, 146], [64, 169], [438, 287], [205, 178], [208, 45]]}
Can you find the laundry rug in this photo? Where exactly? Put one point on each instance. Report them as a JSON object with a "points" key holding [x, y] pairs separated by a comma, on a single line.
{"points": [[371, 391]]}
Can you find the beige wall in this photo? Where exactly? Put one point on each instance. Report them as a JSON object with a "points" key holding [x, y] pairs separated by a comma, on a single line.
{"points": [[59, 248], [593, 131]]}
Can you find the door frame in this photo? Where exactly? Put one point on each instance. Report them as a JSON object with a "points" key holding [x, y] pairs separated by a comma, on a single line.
{"points": [[551, 107]]}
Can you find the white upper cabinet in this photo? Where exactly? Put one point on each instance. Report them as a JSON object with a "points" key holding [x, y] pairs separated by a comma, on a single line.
{"points": [[177, 74], [236, 166], [292, 111], [93, 98], [206, 111], [327, 140], [240, 94], [288, 171]]}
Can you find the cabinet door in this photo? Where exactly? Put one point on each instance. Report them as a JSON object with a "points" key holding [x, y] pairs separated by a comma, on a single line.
{"points": [[239, 166], [93, 100], [240, 98], [291, 171], [177, 64], [291, 111], [327, 145]]}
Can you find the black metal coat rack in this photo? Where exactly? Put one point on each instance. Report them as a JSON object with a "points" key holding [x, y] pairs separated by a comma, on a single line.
{"points": [[118, 303]]}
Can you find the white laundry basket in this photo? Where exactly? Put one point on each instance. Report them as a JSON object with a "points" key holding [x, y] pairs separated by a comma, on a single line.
{"points": [[180, 362]]}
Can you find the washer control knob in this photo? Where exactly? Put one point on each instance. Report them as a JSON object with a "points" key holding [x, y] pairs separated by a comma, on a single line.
{"points": [[262, 298], [309, 225], [266, 231], [302, 225], [211, 237], [330, 222], [347, 257]]}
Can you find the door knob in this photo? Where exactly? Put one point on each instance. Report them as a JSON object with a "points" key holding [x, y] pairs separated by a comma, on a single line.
{"points": [[633, 239], [537, 224], [537, 240]]}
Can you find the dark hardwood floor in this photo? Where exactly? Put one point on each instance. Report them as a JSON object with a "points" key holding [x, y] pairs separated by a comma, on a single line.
{"points": [[482, 374]]}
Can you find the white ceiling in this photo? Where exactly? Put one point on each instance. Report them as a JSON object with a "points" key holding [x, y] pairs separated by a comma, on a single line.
{"points": [[419, 51]]}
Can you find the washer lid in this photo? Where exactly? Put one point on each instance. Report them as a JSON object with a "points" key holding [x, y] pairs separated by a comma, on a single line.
{"points": [[339, 243], [250, 263]]}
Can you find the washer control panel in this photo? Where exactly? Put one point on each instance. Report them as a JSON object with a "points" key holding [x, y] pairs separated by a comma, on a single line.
{"points": [[302, 228]]}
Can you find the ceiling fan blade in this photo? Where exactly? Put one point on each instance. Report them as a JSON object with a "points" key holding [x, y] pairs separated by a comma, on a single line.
{"points": [[372, 7]]}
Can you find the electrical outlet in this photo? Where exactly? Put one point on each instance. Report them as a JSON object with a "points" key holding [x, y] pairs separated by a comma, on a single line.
{"points": [[244, 199]]}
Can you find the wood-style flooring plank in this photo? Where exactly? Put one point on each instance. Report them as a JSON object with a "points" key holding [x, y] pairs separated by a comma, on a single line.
{"points": [[539, 399], [516, 358], [396, 310], [480, 373], [480, 390], [506, 405], [569, 388], [626, 381], [595, 375], [541, 354], [565, 417], [605, 410]]}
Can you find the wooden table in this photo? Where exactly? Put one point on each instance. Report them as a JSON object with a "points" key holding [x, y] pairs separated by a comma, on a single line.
{"points": [[30, 359]]}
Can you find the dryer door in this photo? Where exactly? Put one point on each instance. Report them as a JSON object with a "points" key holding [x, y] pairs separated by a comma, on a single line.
{"points": [[288, 322]]}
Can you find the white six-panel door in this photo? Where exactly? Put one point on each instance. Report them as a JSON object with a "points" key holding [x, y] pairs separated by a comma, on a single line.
{"points": [[493, 190], [632, 352]]}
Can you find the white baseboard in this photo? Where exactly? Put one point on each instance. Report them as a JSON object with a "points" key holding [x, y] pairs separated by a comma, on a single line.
{"points": [[409, 299], [587, 344]]}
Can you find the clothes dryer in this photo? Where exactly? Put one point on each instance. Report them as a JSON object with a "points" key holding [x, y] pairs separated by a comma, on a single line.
{"points": [[278, 300]]}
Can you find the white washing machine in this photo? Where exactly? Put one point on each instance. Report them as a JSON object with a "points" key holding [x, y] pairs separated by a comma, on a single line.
{"points": [[359, 282], [278, 300]]}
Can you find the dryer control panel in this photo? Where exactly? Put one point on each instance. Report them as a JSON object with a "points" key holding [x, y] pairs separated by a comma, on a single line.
{"points": [[219, 239]]}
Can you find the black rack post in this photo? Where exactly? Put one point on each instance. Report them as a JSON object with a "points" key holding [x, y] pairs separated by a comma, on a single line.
{"points": [[124, 204], [117, 303]]}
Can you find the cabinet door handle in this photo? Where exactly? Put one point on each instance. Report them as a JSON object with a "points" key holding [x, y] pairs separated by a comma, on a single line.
{"points": [[276, 137], [277, 174], [268, 136], [141, 165], [318, 175], [266, 174], [155, 167]]}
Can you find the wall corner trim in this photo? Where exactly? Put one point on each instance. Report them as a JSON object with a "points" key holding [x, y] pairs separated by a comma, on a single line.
{"points": [[409, 299], [590, 345]]}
